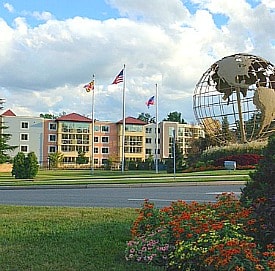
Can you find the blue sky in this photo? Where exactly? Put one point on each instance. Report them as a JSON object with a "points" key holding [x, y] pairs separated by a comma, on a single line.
{"points": [[60, 9], [50, 48]]}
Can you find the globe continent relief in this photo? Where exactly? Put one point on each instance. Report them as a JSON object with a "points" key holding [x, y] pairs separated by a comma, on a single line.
{"points": [[235, 98]]}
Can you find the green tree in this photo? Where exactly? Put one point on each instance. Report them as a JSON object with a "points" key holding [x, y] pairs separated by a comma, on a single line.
{"points": [[146, 117], [198, 146], [18, 168], [47, 116], [81, 158], [179, 160], [4, 146], [55, 159], [175, 116], [227, 134]]}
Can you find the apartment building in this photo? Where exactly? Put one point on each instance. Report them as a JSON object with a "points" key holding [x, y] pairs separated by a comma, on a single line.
{"points": [[27, 133], [50, 140], [72, 133], [105, 143], [167, 132], [73, 136], [134, 139]]}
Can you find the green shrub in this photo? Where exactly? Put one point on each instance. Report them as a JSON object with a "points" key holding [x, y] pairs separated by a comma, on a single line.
{"points": [[25, 167], [260, 193], [31, 165], [18, 169]]}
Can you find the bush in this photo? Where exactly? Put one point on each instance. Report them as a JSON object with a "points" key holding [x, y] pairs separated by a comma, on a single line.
{"points": [[260, 194], [25, 167], [31, 165]]}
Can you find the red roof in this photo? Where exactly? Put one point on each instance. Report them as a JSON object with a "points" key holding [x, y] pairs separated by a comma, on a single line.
{"points": [[9, 113], [74, 117], [131, 120]]}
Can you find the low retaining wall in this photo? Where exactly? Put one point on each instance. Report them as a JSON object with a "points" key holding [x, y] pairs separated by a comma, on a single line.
{"points": [[5, 167]]}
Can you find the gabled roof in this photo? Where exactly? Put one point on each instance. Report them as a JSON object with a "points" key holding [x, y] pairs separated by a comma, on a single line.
{"points": [[74, 117], [131, 120], [8, 113]]}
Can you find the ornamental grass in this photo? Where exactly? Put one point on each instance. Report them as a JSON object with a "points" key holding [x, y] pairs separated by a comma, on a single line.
{"points": [[195, 236]]}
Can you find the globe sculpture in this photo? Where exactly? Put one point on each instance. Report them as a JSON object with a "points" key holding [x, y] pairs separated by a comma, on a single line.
{"points": [[235, 99]]}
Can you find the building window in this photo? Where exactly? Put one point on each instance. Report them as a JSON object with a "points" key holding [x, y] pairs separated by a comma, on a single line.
{"points": [[105, 150], [133, 128], [52, 126], [96, 161], [96, 128], [105, 139], [24, 148], [148, 140], [24, 137], [69, 160], [96, 139], [104, 161], [95, 150], [105, 128], [52, 149], [148, 130], [148, 151], [52, 138], [25, 125]]}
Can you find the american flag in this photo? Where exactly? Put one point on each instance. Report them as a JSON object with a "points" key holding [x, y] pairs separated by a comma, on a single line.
{"points": [[119, 78], [151, 101]]}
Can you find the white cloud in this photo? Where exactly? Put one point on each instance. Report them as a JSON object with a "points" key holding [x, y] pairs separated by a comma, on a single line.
{"points": [[269, 4], [8, 7], [42, 16], [43, 69]]}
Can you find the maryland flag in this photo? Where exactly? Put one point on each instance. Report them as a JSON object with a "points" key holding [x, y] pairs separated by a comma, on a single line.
{"points": [[90, 86]]}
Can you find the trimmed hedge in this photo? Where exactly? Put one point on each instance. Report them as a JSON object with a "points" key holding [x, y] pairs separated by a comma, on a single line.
{"points": [[216, 153]]}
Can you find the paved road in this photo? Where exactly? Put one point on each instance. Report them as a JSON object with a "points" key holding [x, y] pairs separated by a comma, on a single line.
{"points": [[112, 196]]}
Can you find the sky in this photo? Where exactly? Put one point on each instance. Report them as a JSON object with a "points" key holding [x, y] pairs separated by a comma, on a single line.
{"points": [[49, 49]]}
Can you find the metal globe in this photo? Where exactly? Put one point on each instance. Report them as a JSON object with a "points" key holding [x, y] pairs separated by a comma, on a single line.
{"points": [[235, 99]]}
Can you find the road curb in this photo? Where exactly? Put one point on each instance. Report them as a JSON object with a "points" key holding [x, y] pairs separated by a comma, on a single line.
{"points": [[136, 185]]}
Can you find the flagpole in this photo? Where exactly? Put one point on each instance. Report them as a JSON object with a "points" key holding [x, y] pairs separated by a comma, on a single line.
{"points": [[157, 134], [92, 139], [123, 118]]}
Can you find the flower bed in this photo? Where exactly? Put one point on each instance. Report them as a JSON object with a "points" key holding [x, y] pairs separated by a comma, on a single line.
{"points": [[201, 237], [241, 159]]}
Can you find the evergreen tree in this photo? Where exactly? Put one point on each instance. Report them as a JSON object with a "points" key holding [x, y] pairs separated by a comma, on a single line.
{"points": [[31, 165], [25, 167], [4, 146], [82, 159], [227, 135], [18, 169], [179, 161]]}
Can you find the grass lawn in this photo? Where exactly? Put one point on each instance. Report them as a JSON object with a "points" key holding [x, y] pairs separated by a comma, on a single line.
{"points": [[127, 177], [69, 239], [72, 239]]}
